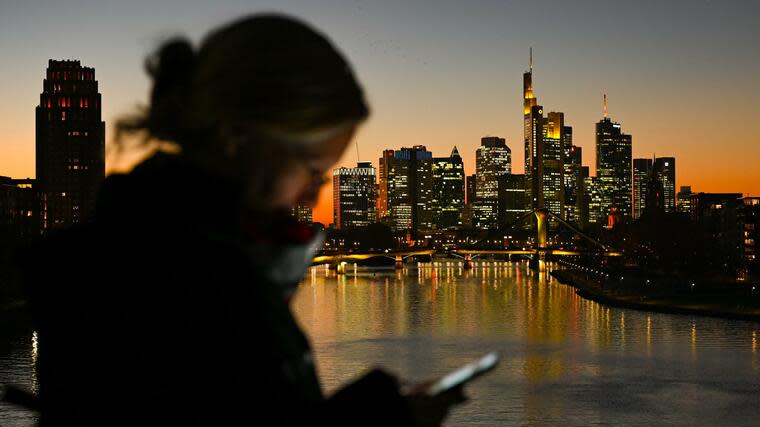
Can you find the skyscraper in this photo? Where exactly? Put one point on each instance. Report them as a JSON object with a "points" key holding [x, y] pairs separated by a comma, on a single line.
{"points": [[595, 200], [448, 190], [613, 166], [544, 139], [471, 183], [665, 168], [354, 197], [406, 188], [493, 160], [553, 159], [511, 199], [469, 207], [654, 204], [572, 175], [384, 183], [641, 170], [70, 144], [532, 135]]}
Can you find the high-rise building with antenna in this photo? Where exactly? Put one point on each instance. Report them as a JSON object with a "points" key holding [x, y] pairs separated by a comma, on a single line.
{"points": [[613, 167], [532, 134], [544, 151]]}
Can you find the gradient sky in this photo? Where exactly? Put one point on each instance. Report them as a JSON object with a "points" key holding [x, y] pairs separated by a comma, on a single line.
{"points": [[683, 77]]}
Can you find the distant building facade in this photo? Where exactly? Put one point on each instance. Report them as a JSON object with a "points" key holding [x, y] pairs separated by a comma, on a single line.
{"points": [[512, 199], [70, 144], [546, 140], [469, 207], [573, 179], [613, 167], [684, 200], [493, 160], [552, 181], [354, 196], [448, 191], [750, 238], [406, 188], [302, 213], [665, 168], [642, 168], [720, 219], [19, 210], [595, 200]]}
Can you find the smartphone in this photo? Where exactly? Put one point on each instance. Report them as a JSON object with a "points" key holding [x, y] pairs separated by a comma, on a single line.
{"points": [[464, 374]]}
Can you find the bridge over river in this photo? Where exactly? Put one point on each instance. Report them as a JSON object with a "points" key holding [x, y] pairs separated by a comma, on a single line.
{"points": [[538, 255]]}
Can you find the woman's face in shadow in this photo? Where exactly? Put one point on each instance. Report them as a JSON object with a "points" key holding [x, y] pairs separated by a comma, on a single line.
{"points": [[301, 183]]}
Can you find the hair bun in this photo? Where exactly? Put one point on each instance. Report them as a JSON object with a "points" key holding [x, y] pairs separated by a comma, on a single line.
{"points": [[171, 67]]}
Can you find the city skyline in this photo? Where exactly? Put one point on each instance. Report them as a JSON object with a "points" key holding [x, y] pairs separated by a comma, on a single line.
{"points": [[675, 98]]}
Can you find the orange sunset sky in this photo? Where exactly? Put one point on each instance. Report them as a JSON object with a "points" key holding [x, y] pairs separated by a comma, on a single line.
{"points": [[684, 81]]}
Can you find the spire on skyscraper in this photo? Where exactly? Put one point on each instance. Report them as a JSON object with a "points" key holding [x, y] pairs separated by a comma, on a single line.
{"points": [[531, 59], [605, 105]]}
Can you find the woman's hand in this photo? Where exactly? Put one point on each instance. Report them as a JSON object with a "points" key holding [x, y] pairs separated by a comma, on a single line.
{"points": [[430, 411]]}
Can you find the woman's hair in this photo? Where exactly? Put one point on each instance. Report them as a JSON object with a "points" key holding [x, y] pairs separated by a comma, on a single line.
{"points": [[258, 86]]}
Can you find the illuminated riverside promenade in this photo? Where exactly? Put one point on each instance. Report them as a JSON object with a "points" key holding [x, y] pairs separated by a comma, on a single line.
{"points": [[566, 360]]}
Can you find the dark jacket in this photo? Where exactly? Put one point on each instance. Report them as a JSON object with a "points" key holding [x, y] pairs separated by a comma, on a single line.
{"points": [[156, 313]]}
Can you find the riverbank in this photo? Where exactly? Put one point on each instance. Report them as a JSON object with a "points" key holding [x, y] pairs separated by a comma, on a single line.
{"points": [[638, 298]]}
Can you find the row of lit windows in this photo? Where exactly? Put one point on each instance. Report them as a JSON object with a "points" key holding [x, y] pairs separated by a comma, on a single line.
{"points": [[75, 115], [65, 102], [72, 75], [77, 133]]}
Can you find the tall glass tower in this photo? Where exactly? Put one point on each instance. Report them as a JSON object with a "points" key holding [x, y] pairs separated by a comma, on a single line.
{"points": [[665, 168], [448, 190], [532, 134], [552, 179], [641, 171], [493, 160]]}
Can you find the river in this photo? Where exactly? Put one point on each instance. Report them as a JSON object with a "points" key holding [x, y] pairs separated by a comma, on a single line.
{"points": [[565, 360]]}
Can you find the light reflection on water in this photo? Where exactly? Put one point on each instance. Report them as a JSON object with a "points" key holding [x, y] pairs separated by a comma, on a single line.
{"points": [[17, 357], [565, 360]]}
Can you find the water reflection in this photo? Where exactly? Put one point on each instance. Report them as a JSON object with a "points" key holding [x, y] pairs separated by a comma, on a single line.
{"points": [[566, 360], [18, 353]]}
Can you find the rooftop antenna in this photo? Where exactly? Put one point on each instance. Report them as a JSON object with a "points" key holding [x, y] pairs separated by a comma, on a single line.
{"points": [[605, 105], [357, 150], [531, 59]]}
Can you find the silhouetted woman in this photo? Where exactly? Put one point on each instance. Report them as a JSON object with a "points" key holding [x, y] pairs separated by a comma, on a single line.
{"points": [[170, 308]]}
